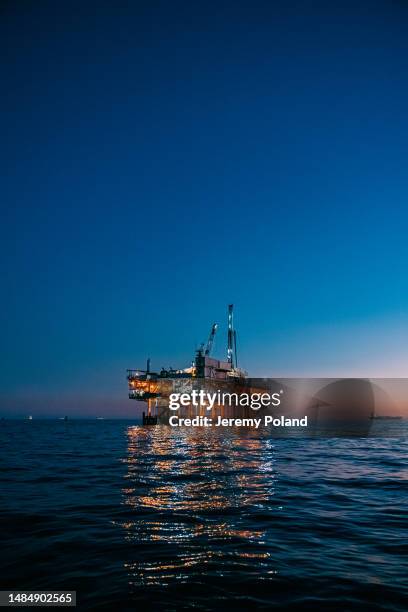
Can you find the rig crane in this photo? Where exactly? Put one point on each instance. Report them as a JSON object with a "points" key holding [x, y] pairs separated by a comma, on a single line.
{"points": [[210, 340]]}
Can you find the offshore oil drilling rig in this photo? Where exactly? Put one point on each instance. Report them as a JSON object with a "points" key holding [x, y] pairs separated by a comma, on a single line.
{"points": [[155, 387]]}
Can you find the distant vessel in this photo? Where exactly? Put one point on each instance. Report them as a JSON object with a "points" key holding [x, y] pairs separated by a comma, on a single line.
{"points": [[30, 418], [385, 417], [100, 418]]}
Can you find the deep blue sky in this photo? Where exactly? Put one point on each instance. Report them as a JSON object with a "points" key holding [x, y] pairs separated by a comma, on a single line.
{"points": [[162, 159]]}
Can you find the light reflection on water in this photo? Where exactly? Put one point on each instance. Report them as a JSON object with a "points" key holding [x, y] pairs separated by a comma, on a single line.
{"points": [[193, 494], [240, 517], [168, 519]]}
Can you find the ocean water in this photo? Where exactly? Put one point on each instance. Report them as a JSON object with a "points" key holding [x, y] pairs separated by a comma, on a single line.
{"points": [[170, 519]]}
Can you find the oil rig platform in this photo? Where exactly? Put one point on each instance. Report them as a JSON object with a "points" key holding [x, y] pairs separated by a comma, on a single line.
{"points": [[156, 387]]}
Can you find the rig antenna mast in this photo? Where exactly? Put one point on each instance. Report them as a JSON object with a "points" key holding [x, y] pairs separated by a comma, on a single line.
{"points": [[232, 338]]}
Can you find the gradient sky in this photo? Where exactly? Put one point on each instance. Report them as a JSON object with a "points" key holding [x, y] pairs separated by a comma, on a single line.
{"points": [[163, 159]]}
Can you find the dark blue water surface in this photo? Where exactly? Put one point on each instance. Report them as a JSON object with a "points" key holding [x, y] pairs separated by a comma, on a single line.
{"points": [[168, 519]]}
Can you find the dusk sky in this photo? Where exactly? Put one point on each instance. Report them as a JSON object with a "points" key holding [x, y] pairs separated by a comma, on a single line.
{"points": [[161, 160]]}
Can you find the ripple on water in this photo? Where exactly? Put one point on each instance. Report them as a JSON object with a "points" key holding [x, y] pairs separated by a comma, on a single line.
{"points": [[171, 519]]}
